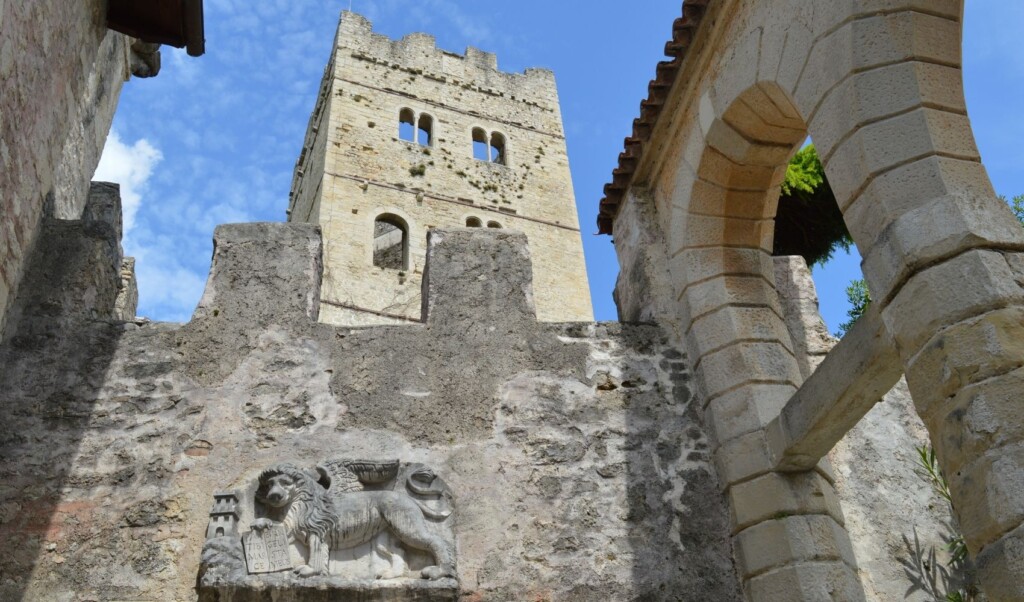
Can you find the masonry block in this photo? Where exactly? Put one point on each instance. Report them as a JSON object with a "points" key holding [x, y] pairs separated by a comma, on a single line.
{"points": [[988, 495], [1000, 566], [477, 275], [970, 284], [966, 353], [791, 539], [776, 495], [746, 410], [830, 581], [262, 273]]}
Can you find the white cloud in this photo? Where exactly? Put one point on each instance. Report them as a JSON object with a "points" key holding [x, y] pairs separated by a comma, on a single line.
{"points": [[131, 167]]}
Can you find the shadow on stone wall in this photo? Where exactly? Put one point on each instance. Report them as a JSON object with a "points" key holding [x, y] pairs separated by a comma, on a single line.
{"points": [[52, 368]]}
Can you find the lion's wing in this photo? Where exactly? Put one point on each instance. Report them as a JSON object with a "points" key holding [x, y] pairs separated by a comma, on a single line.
{"points": [[346, 476]]}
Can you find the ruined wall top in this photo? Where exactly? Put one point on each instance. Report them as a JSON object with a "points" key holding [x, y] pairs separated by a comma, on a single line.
{"points": [[418, 51]]}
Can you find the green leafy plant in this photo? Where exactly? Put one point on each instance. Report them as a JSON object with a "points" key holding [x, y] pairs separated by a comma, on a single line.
{"points": [[808, 221], [859, 296], [1017, 206], [955, 581]]}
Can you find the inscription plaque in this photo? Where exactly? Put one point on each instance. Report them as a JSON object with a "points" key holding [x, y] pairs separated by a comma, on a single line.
{"points": [[266, 551]]}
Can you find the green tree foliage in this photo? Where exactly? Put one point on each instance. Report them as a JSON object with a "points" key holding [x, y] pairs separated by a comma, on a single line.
{"points": [[808, 222], [859, 296], [1017, 206]]}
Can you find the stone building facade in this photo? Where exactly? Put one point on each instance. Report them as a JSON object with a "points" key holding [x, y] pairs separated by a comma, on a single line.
{"points": [[406, 137], [714, 445]]}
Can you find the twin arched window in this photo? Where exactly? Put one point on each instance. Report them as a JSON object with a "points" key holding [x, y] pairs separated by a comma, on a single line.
{"points": [[488, 148], [415, 129], [476, 222], [419, 129]]}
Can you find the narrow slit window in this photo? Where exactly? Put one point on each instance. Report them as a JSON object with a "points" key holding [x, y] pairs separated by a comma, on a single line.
{"points": [[480, 149], [494, 225], [498, 148], [426, 130], [473, 222], [407, 125], [390, 243]]}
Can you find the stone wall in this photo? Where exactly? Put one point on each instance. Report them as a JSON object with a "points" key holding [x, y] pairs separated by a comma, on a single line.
{"points": [[354, 167], [579, 466], [62, 72]]}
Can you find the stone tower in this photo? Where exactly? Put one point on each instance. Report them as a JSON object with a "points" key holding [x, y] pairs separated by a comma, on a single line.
{"points": [[406, 137]]}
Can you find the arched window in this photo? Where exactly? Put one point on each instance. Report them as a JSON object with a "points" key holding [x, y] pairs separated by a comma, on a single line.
{"points": [[425, 134], [220, 531], [390, 242], [497, 148], [407, 125], [480, 148], [473, 222], [495, 225]]}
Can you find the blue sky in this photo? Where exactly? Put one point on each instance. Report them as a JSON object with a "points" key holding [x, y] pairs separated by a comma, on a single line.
{"points": [[214, 140]]}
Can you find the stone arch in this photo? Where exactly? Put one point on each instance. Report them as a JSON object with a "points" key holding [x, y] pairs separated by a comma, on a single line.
{"points": [[720, 246], [877, 85]]}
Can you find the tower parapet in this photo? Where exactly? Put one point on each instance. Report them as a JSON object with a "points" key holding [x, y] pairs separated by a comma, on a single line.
{"points": [[406, 137]]}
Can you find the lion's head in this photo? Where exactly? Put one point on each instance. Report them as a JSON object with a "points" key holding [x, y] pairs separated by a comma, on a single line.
{"points": [[280, 485]]}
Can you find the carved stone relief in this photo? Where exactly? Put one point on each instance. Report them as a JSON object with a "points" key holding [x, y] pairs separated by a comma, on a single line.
{"points": [[341, 522]]}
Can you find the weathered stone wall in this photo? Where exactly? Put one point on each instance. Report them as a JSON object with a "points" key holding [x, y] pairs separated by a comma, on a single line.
{"points": [[354, 167], [579, 466], [895, 517], [61, 71]]}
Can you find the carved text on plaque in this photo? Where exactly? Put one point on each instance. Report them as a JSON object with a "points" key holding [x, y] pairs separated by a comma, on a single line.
{"points": [[266, 550]]}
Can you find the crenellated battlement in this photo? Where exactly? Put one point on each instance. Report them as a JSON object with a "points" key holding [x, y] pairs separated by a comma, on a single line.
{"points": [[418, 54]]}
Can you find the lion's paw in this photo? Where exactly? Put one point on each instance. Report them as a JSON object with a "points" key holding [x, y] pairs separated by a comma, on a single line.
{"points": [[261, 524], [305, 571], [435, 572]]}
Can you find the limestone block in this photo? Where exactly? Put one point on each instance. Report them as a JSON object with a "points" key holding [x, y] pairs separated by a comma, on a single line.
{"points": [[742, 458], [745, 410], [827, 63], [884, 145], [887, 38], [873, 95], [795, 56], [760, 143], [712, 294], [742, 362], [807, 582], [478, 275], [965, 286], [263, 272], [773, 495], [693, 266], [966, 353], [707, 231], [988, 495], [1001, 567], [718, 329], [791, 539], [979, 418], [719, 169], [905, 188], [949, 9], [935, 230], [710, 199], [737, 70]]}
